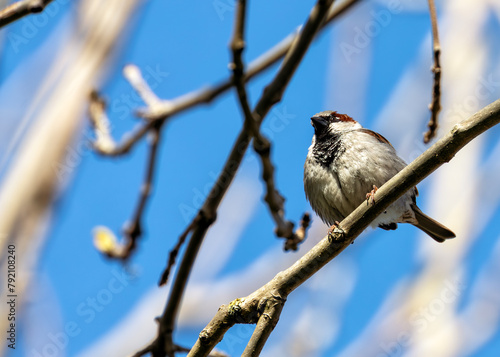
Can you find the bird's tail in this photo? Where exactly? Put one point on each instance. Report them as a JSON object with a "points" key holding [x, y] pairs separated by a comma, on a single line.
{"points": [[433, 228]]}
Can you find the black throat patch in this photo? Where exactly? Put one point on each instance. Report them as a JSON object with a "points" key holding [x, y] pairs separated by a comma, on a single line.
{"points": [[327, 148]]}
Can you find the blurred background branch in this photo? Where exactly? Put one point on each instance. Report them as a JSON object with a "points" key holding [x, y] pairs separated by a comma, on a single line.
{"points": [[19, 9], [36, 173], [105, 145]]}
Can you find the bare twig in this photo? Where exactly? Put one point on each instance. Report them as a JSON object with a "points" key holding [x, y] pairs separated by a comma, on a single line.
{"points": [[163, 343], [105, 145], [249, 309], [262, 146], [300, 233], [435, 106], [20, 9], [275, 201], [133, 230], [134, 76], [206, 95], [172, 256]]}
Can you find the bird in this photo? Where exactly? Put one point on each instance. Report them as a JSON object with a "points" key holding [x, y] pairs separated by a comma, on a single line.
{"points": [[346, 164]]}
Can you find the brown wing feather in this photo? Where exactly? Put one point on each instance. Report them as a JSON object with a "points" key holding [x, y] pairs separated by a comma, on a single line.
{"points": [[375, 135]]}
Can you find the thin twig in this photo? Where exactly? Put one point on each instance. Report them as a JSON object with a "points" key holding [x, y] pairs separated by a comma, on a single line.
{"points": [[172, 256], [163, 343], [435, 106], [20, 9], [134, 76], [262, 146], [300, 233], [207, 94], [105, 145], [275, 201], [249, 309], [133, 230]]}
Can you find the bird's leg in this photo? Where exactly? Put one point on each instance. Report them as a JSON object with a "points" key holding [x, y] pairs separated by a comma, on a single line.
{"points": [[370, 196], [334, 228]]}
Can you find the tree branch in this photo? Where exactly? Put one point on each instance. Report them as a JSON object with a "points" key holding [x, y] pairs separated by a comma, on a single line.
{"points": [[172, 256], [206, 95], [262, 146], [435, 106], [133, 230], [178, 348], [248, 309], [20, 9], [163, 344], [265, 325], [105, 145], [134, 76]]}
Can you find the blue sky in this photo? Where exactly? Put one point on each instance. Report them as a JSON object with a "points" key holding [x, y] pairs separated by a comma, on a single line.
{"points": [[180, 48]]}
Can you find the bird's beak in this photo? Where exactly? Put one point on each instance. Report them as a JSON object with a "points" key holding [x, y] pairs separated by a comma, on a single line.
{"points": [[319, 123]]}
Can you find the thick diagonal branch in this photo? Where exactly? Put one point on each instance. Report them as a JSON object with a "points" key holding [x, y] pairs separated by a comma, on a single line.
{"points": [[249, 309]]}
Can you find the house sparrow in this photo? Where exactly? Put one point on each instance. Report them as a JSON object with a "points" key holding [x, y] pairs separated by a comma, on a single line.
{"points": [[345, 165]]}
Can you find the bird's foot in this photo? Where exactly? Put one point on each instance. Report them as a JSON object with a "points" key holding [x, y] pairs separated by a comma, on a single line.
{"points": [[334, 229], [370, 196]]}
